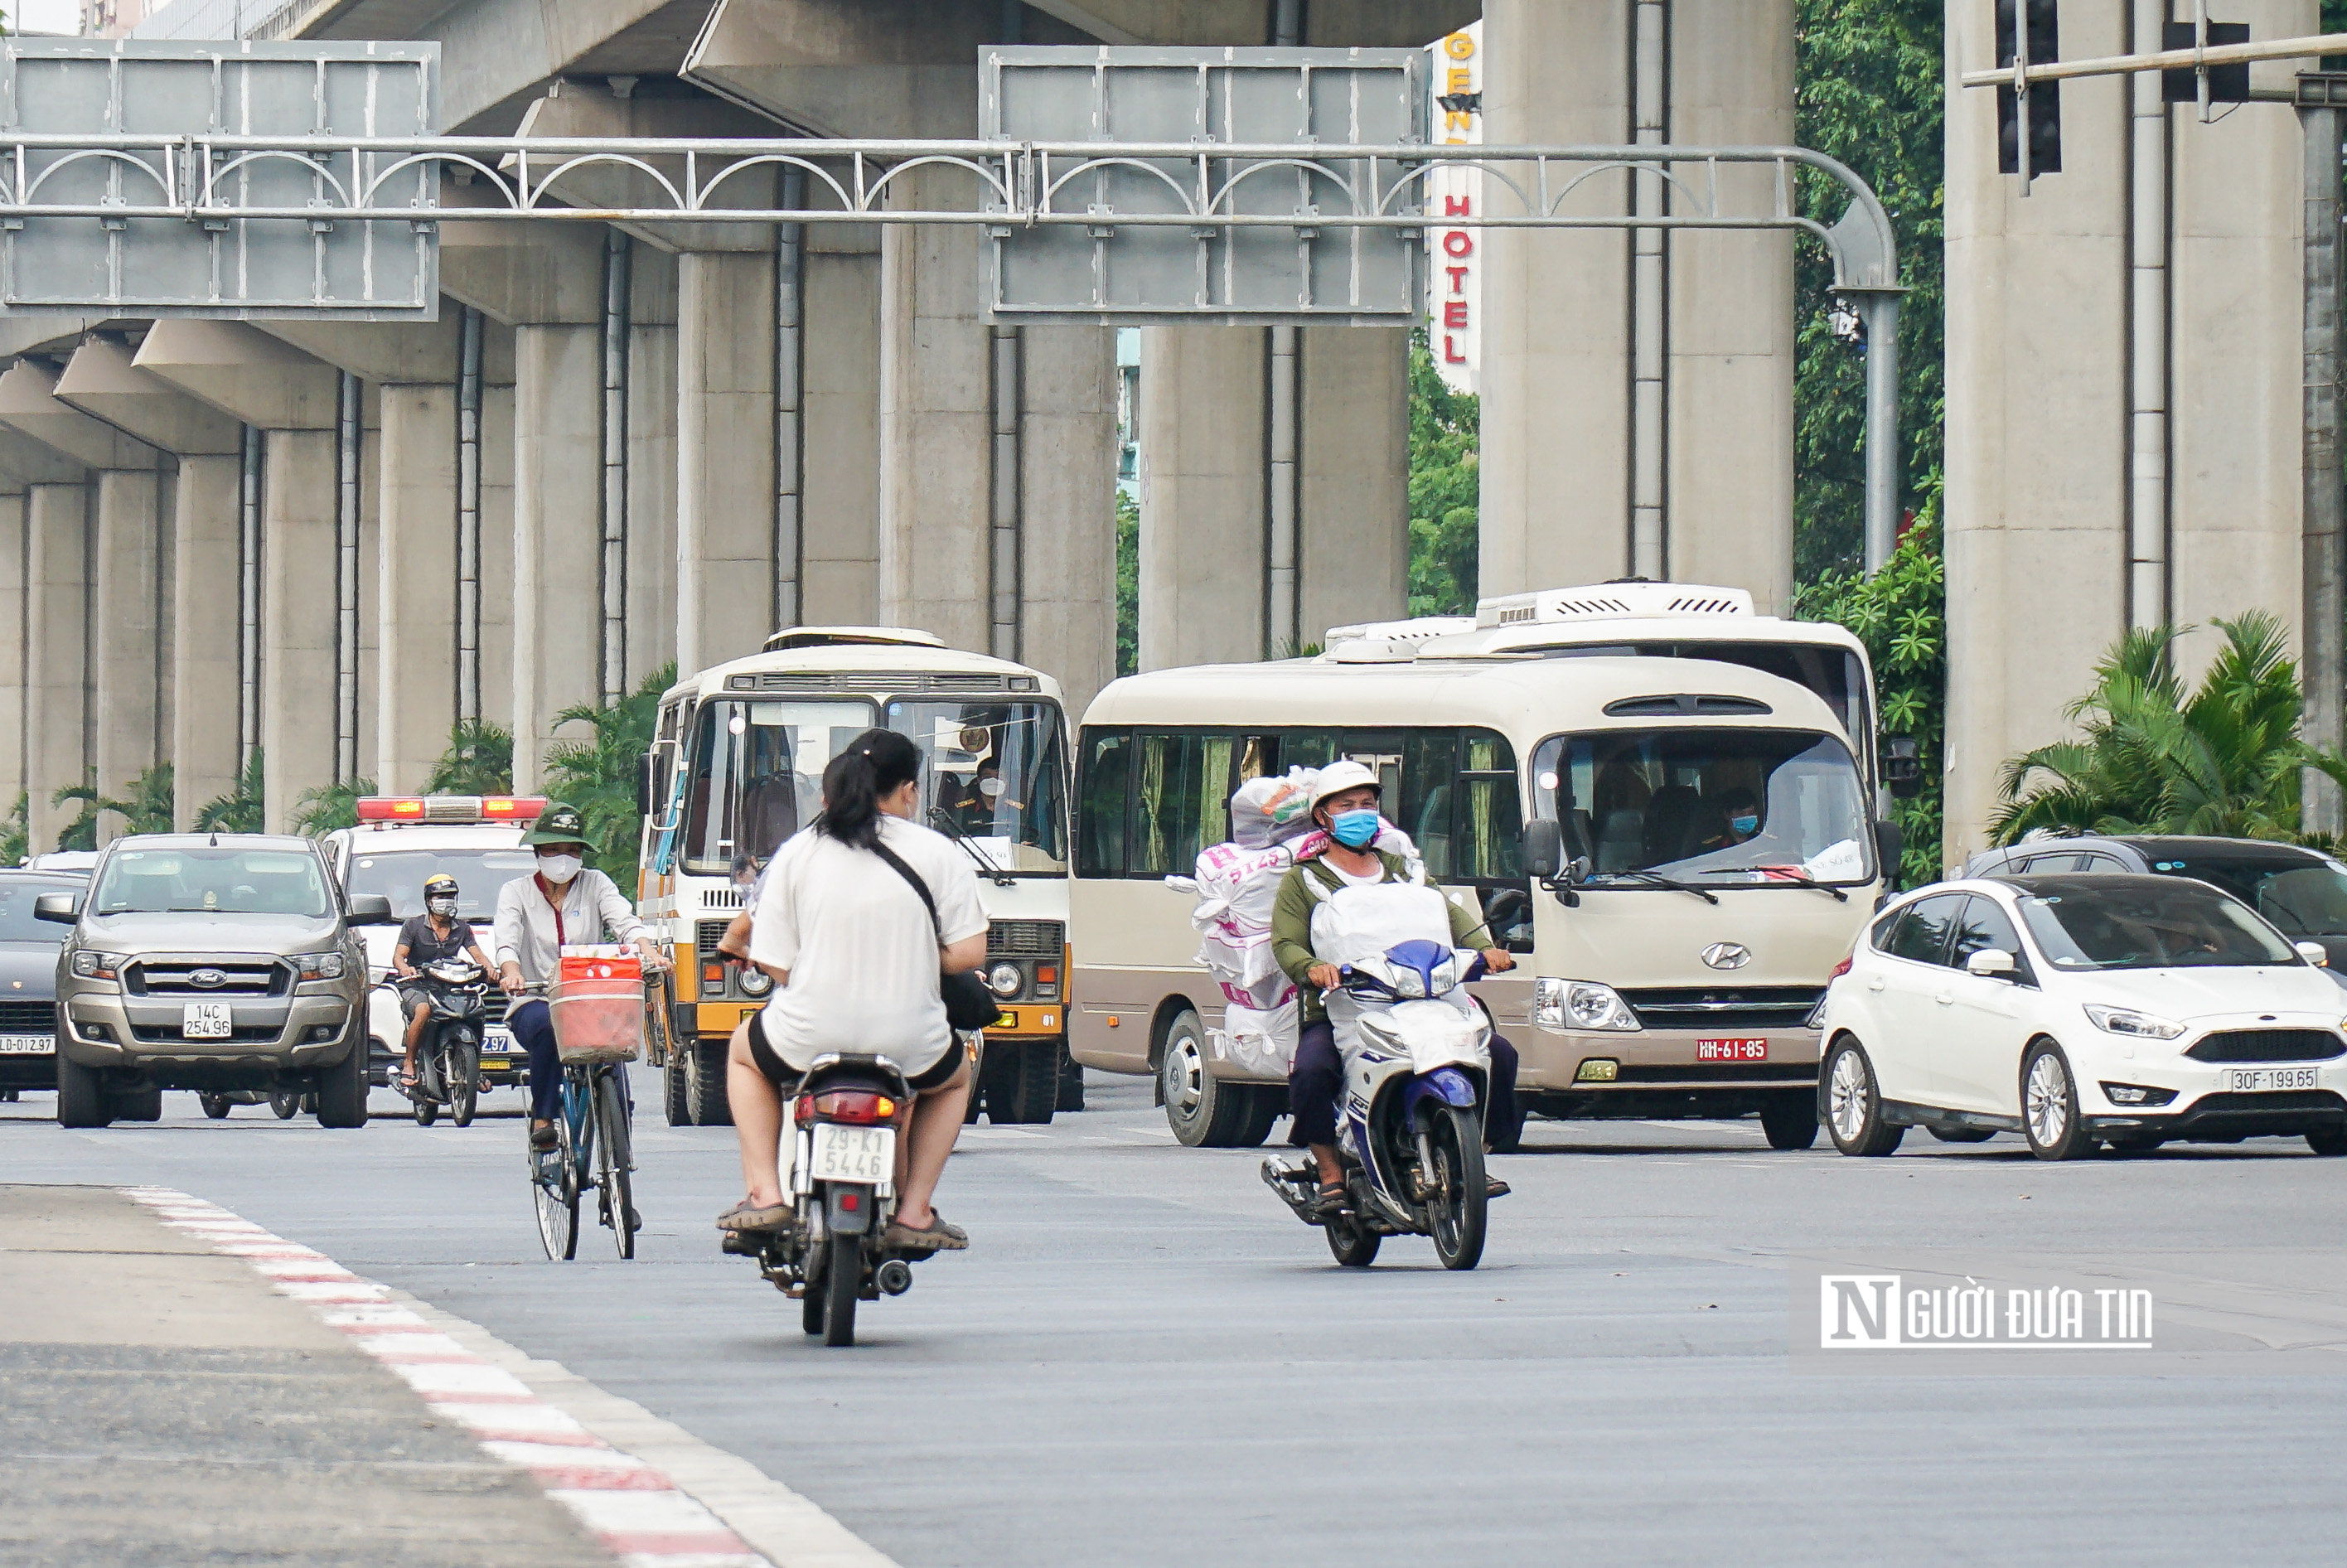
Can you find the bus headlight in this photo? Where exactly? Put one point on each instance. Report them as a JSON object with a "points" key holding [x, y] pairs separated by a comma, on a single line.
{"points": [[1581, 1004], [1004, 980], [755, 981]]}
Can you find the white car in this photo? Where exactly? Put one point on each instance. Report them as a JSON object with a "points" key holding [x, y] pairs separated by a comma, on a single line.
{"points": [[2079, 1009]]}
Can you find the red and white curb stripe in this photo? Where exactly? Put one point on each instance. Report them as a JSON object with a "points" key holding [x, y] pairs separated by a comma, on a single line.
{"points": [[636, 1511]]}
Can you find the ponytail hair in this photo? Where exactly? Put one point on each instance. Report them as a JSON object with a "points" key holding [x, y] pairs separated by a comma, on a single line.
{"points": [[876, 764]]}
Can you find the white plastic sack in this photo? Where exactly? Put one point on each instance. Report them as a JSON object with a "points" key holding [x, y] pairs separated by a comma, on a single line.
{"points": [[1260, 1044], [1353, 924], [1267, 811]]}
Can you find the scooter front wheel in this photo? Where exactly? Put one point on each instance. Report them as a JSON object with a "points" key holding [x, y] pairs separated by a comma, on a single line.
{"points": [[1461, 1197], [1354, 1243]]}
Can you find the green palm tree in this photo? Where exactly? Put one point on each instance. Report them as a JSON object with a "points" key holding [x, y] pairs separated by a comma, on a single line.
{"points": [[148, 809], [15, 834], [479, 761], [318, 812], [2224, 758], [596, 774], [240, 810]]}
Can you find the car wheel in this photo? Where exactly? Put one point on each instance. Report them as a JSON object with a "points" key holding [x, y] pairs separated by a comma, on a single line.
{"points": [[342, 1089], [1790, 1121], [2135, 1143], [1027, 1092], [284, 1103], [1071, 1080], [82, 1100], [705, 1092], [1853, 1108], [138, 1105], [676, 1091], [1962, 1135], [215, 1106], [2330, 1141], [2049, 1106]]}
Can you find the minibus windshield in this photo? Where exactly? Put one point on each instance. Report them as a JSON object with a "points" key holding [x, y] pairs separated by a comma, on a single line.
{"points": [[1718, 807], [755, 776], [996, 778]]}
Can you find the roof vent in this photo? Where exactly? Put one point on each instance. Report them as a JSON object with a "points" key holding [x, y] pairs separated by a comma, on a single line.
{"points": [[1424, 628], [1685, 704], [1630, 601], [850, 636]]}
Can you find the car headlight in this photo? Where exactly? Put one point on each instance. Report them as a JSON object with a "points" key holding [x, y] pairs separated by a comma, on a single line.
{"points": [[1004, 979], [320, 966], [2133, 1024], [1581, 1004], [755, 981], [89, 964]]}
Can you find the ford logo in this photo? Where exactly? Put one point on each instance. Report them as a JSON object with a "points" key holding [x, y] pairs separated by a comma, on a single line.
{"points": [[1727, 955], [212, 979]]}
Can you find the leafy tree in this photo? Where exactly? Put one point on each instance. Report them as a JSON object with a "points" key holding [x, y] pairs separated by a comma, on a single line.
{"points": [[240, 810], [1445, 478], [318, 812], [479, 761], [15, 836], [1900, 613], [1870, 91], [148, 809], [596, 774], [2222, 759], [1128, 584]]}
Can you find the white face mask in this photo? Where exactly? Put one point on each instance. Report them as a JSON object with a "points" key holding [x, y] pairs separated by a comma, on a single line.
{"points": [[441, 906], [558, 868]]}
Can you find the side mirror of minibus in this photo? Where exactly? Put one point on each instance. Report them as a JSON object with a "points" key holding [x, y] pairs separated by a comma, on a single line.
{"points": [[1903, 766], [1890, 843], [65, 908], [644, 784], [1990, 964], [1543, 849]]}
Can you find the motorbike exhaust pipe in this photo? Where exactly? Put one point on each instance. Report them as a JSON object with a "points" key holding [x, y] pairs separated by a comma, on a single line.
{"points": [[893, 1277]]}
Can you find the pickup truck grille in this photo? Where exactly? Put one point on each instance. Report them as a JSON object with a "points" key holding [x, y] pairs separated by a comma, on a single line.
{"points": [[176, 977], [1025, 938], [28, 1018]]}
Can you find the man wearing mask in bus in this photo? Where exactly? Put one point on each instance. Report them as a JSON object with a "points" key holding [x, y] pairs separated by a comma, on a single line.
{"points": [[564, 903], [1345, 807]]}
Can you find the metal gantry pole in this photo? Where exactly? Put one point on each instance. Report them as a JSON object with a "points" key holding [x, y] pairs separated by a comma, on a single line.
{"points": [[2324, 516], [468, 518], [612, 577], [1878, 309], [348, 458]]}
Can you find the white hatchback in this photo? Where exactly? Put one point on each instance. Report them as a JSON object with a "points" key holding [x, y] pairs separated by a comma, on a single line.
{"points": [[2078, 1011]]}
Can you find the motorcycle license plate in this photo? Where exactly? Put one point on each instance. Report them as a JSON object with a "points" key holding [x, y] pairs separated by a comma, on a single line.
{"points": [[1743, 1049], [205, 1021], [852, 1154]]}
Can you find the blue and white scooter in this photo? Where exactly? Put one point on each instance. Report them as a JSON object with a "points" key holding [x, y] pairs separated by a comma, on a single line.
{"points": [[1410, 1129]]}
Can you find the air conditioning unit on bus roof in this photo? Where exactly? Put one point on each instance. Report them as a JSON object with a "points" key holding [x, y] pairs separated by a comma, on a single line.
{"points": [[850, 636], [1628, 600]]}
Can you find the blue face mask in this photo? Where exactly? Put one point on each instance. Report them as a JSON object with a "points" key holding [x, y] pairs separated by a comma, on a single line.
{"points": [[1743, 824], [1354, 829]]}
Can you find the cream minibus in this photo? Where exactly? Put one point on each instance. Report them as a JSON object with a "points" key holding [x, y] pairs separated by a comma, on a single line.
{"points": [[1715, 855], [736, 767]]}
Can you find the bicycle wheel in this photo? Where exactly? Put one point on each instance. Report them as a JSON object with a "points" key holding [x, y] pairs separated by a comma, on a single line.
{"points": [[554, 1182], [611, 1158]]}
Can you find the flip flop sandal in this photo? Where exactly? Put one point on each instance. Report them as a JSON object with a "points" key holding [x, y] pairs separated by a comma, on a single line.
{"points": [[935, 1236], [1495, 1188], [543, 1140], [746, 1216], [1329, 1197]]}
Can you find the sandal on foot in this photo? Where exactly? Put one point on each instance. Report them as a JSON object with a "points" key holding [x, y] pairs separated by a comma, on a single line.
{"points": [[746, 1216], [1329, 1197], [543, 1140], [1495, 1188], [935, 1236]]}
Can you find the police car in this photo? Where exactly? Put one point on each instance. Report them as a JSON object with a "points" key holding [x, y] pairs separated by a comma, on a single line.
{"points": [[401, 840]]}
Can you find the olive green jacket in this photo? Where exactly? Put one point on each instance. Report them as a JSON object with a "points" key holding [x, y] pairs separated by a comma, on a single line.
{"points": [[1291, 924]]}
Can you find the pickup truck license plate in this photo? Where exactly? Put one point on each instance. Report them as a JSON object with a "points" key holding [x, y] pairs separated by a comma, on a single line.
{"points": [[852, 1153], [205, 1021], [27, 1045], [1740, 1049], [2265, 1079]]}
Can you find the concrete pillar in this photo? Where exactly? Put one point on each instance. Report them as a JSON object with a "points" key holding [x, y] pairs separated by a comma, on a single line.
{"points": [[1354, 556], [497, 629], [204, 664], [56, 667], [415, 686], [1202, 496], [1637, 409], [1067, 484], [725, 456], [12, 642], [652, 462], [839, 565], [124, 629], [557, 494], [298, 613], [2124, 423]]}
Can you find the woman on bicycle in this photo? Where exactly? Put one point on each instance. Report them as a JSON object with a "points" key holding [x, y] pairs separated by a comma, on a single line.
{"points": [[535, 916], [857, 959], [432, 938]]}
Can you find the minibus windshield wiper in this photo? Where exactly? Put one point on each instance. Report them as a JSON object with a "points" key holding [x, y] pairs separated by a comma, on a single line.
{"points": [[986, 865], [1673, 883], [1798, 878]]}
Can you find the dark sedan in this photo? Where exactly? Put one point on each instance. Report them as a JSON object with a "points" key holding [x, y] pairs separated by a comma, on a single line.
{"points": [[29, 982]]}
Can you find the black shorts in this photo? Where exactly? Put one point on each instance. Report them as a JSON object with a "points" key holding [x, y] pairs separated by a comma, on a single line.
{"points": [[784, 1077]]}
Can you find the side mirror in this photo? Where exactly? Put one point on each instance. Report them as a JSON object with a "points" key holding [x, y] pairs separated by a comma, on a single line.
{"points": [[1543, 849], [1903, 766], [370, 909], [1992, 964], [2313, 952], [65, 908], [1890, 843], [644, 784]]}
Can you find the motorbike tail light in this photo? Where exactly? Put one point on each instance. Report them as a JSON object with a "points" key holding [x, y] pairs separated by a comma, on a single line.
{"points": [[856, 1107]]}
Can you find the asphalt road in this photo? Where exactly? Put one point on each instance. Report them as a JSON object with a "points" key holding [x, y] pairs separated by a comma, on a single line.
{"points": [[1145, 1360]]}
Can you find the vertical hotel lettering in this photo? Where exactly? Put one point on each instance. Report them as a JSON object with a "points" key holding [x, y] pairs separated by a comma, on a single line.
{"points": [[1454, 281]]}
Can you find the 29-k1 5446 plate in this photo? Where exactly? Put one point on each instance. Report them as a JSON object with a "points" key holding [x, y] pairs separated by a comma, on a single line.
{"points": [[852, 1154]]}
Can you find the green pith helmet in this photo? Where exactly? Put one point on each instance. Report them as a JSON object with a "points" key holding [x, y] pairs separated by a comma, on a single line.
{"points": [[558, 824]]}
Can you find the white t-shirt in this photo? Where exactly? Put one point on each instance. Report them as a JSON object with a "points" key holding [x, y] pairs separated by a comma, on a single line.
{"points": [[860, 947]]}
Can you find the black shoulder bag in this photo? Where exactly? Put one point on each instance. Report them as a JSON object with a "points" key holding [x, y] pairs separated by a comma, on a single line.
{"points": [[968, 1004]]}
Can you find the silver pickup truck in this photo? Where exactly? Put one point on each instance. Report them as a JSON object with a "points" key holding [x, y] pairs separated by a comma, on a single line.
{"points": [[215, 962]]}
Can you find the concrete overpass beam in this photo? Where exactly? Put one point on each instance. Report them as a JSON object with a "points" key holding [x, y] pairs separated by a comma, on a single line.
{"points": [[1204, 451], [839, 461], [651, 476]]}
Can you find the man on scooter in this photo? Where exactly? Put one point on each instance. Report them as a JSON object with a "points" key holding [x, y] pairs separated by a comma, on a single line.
{"points": [[1345, 807]]}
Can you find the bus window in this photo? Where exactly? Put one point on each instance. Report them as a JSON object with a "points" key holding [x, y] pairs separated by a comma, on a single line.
{"points": [[757, 775], [1488, 824], [1104, 803], [1182, 785], [991, 776]]}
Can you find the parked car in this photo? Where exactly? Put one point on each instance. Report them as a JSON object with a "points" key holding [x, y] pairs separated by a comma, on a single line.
{"points": [[2302, 891], [2080, 1009], [28, 982], [215, 962]]}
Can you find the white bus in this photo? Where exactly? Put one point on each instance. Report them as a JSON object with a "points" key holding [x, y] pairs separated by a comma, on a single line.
{"points": [[736, 767], [1671, 966]]}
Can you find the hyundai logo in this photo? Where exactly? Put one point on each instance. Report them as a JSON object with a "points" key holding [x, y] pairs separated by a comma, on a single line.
{"points": [[1727, 955], [212, 979]]}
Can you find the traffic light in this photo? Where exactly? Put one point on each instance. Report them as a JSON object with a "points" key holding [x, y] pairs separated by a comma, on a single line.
{"points": [[2227, 84], [2044, 98]]}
